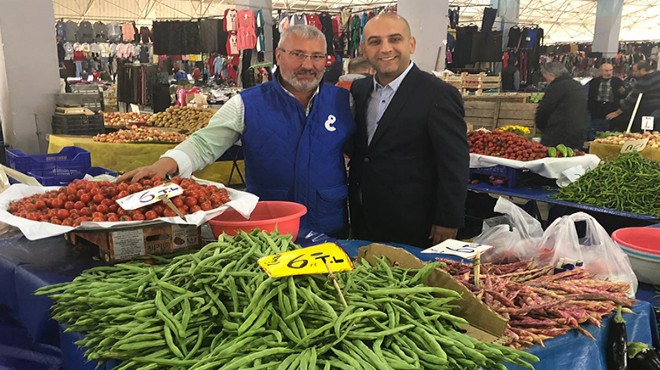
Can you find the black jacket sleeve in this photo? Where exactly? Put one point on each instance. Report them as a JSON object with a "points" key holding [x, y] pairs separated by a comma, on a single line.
{"points": [[547, 105]]}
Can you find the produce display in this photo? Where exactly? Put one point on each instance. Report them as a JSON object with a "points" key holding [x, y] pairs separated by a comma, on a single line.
{"points": [[516, 129], [188, 119], [621, 138], [626, 183], [121, 119], [217, 309], [140, 134], [95, 201], [538, 304], [510, 145]]}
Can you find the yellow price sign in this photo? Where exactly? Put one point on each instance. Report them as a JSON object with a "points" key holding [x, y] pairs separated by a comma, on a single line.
{"points": [[311, 260]]}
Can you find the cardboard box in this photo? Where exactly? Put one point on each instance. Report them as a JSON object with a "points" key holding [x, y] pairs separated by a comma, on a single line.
{"points": [[125, 243], [485, 324]]}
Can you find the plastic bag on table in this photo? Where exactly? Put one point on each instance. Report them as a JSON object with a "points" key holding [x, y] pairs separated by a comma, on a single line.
{"points": [[514, 236], [600, 255]]}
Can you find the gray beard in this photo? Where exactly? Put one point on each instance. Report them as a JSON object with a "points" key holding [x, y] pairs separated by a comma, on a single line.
{"points": [[302, 86]]}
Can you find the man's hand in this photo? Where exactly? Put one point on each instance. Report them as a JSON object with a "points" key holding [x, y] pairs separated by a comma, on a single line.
{"points": [[613, 115], [441, 233], [161, 168]]}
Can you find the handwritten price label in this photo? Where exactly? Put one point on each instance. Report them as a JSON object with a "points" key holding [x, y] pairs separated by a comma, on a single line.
{"points": [[647, 122], [458, 248], [149, 196], [634, 145], [307, 261]]}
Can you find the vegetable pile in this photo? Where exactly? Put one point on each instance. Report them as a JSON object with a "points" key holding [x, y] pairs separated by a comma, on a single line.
{"points": [[189, 119], [216, 309], [124, 119], [626, 183], [95, 201], [621, 138], [509, 144], [141, 135], [540, 305]]}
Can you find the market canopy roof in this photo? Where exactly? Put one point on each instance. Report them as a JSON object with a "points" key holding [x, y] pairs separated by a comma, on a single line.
{"points": [[562, 20]]}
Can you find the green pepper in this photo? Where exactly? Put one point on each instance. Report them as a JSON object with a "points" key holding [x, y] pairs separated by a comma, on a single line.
{"points": [[552, 152], [561, 148]]}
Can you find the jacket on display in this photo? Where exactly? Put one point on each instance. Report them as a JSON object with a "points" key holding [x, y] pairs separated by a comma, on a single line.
{"points": [[297, 157], [562, 114]]}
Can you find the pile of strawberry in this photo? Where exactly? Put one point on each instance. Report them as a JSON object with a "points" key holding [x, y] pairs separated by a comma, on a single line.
{"points": [[95, 201], [505, 145]]}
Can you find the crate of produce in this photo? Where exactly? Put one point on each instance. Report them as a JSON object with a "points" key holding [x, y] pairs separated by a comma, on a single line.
{"points": [[511, 176], [78, 125], [52, 169]]}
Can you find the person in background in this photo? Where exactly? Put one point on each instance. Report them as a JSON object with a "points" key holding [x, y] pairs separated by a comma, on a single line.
{"points": [[605, 92], [409, 167], [357, 68], [562, 113], [293, 131], [511, 76], [648, 84]]}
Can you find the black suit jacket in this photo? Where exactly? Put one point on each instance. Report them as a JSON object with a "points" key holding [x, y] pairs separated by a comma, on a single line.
{"points": [[599, 109], [414, 173]]}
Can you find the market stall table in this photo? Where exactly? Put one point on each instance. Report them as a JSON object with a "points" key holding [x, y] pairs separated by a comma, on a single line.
{"points": [[27, 265], [125, 157]]}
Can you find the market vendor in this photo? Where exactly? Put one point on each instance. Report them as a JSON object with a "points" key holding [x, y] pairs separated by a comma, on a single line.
{"points": [[648, 84], [562, 113], [293, 130]]}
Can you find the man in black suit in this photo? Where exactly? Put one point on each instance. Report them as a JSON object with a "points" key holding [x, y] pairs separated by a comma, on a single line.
{"points": [[605, 92], [409, 166]]}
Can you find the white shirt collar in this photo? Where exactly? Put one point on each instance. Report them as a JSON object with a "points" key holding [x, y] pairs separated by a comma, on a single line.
{"points": [[397, 81]]}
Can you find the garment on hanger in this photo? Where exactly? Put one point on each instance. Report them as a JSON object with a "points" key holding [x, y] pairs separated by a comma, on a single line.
{"points": [[114, 32], [85, 32], [70, 30], [313, 20], [298, 18], [328, 31], [127, 32], [145, 35], [230, 20], [100, 32], [246, 35]]}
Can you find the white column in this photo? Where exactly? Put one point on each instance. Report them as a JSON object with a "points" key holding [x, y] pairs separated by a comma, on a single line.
{"points": [[608, 26], [508, 15], [428, 23], [29, 75]]}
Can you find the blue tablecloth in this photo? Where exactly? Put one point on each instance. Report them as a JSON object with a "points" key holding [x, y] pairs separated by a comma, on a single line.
{"points": [[26, 265]]}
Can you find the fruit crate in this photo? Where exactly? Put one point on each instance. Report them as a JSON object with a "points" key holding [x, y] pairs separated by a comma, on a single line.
{"points": [[511, 175], [78, 125], [52, 169]]}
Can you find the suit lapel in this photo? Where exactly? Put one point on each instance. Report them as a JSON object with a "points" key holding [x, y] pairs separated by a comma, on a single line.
{"points": [[403, 93], [364, 104]]}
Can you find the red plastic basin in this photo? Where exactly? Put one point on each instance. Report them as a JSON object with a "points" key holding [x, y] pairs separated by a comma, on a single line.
{"points": [[267, 216], [642, 239]]}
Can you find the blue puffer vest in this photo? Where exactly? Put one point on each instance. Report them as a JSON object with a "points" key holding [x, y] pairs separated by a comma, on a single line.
{"points": [[293, 157]]}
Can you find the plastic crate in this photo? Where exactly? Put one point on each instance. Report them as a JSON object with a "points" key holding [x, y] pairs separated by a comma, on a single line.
{"points": [[511, 175], [96, 171], [52, 169], [78, 125]]}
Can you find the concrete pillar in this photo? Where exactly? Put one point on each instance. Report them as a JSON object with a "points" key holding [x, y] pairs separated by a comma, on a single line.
{"points": [[428, 22], [29, 75], [608, 26], [508, 15]]}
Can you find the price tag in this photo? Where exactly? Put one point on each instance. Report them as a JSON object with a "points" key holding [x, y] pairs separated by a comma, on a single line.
{"points": [[135, 108], [149, 196], [458, 248], [634, 145], [307, 261], [647, 122]]}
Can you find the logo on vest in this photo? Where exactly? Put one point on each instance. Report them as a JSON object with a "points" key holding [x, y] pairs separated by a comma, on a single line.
{"points": [[330, 123]]}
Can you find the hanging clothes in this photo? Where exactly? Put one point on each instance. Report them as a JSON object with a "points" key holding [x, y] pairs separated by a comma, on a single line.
{"points": [[85, 32], [261, 42], [114, 32], [100, 32], [247, 35], [313, 20], [230, 20], [298, 18], [328, 31], [208, 34], [145, 35]]}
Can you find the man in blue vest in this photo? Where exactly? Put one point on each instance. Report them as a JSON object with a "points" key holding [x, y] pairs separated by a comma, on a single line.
{"points": [[293, 130]]}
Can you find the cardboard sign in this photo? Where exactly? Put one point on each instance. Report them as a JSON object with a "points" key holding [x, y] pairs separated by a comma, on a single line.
{"points": [[149, 196], [634, 145], [311, 260], [647, 122], [135, 108], [458, 248]]}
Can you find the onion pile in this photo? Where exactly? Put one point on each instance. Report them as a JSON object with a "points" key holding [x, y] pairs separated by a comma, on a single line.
{"points": [[141, 135]]}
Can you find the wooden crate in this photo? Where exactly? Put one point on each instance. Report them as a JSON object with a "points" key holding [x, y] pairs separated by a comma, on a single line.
{"points": [[521, 114], [481, 114]]}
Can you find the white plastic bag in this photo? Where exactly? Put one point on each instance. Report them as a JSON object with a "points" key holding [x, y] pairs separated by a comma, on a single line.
{"points": [[514, 236], [600, 254]]}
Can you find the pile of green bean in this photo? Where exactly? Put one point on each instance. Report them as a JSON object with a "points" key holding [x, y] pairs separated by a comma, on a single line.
{"points": [[216, 309], [627, 183]]}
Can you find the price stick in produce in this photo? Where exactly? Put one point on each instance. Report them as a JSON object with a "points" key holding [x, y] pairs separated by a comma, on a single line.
{"points": [[634, 145], [160, 193], [477, 270], [317, 259]]}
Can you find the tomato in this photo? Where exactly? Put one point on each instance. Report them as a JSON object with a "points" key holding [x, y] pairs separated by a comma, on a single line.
{"points": [[78, 205], [190, 201], [167, 212], [62, 197], [62, 214], [150, 215], [113, 207], [158, 208], [177, 201], [195, 208], [125, 218], [84, 211], [112, 217], [85, 198], [98, 198], [102, 208], [122, 194], [138, 216], [206, 206], [69, 205], [98, 219], [107, 202]]}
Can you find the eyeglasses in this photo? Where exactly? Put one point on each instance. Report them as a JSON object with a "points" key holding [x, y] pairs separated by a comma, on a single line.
{"points": [[301, 57]]}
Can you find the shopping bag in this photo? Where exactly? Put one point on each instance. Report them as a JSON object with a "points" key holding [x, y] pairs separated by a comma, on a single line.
{"points": [[514, 236], [599, 254]]}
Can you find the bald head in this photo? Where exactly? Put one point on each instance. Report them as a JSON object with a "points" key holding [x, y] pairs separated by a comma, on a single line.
{"points": [[391, 16], [606, 71]]}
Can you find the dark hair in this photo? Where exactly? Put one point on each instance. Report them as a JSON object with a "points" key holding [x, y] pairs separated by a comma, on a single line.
{"points": [[644, 65]]}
